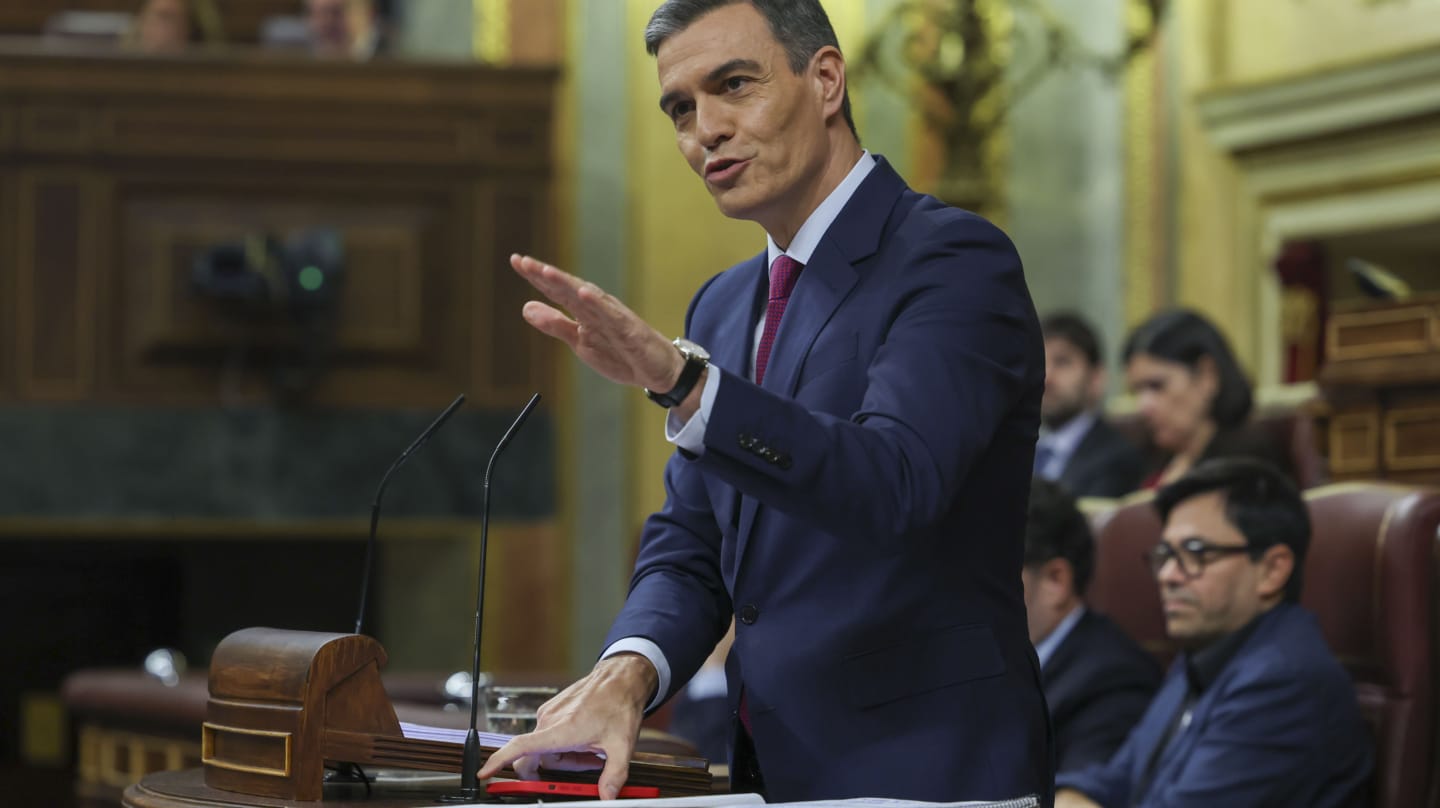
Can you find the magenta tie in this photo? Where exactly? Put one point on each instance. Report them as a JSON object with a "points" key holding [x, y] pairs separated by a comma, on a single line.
{"points": [[783, 275]]}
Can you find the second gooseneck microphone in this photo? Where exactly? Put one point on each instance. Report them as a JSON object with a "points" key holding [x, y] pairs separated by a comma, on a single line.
{"points": [[380, 493], [470, 761]]}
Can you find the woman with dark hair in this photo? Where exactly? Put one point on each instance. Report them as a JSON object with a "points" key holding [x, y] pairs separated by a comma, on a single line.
{"points": [[1192, 396]]}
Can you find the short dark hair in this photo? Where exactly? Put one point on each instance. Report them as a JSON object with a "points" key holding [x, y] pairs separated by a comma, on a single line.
{"points": [[800, 26], [1074, 329], [1055, 528], [1184, 336], [1260, 501]]}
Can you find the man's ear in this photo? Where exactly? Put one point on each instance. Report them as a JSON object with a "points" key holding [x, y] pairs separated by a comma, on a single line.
{"points": [[1277, 564], [1056, 581], [828, 68]]}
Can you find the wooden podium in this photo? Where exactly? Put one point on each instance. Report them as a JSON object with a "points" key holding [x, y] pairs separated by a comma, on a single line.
{"points": [[187, 789], [283, 703]]}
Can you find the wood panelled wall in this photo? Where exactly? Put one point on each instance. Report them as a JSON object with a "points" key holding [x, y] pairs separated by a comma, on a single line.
{"points": [[1382, 382], [115, 171]]}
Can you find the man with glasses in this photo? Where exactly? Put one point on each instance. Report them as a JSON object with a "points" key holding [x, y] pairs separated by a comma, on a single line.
{"points": [[1255, 710]]}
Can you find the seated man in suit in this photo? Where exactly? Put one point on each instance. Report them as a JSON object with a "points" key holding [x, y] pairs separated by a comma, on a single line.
{"points": [[1098, 681], [1255, 710], [1077, 448]]}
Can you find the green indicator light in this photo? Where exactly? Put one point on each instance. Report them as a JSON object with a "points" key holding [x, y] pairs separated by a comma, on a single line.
{"points": [[311, 278]]}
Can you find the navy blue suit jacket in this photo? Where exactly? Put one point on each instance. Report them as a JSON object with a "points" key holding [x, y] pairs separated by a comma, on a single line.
{"points": [[1104, 464], [1098, 683], [862, 512], [1279, 727]]}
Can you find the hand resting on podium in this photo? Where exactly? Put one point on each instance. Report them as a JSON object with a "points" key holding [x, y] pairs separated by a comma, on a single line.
{"points": [[589, 725]]}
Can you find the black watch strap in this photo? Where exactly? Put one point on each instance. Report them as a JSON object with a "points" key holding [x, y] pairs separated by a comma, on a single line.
{"points": [[695, 364]]}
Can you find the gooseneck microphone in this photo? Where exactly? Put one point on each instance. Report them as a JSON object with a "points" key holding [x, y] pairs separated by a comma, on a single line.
{"points": [[470, 762], [380, 493]]}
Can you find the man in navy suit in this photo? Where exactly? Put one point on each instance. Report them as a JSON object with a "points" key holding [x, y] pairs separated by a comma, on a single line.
{"points": [[1098, 681], [1077, 447], [855, 412], [1255, 711]]}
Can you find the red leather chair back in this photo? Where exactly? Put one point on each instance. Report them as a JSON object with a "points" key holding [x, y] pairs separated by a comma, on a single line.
{"points": [[1370, 579], [1122, 585]]}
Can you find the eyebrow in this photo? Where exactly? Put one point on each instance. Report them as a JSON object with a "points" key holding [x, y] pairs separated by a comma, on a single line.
{"points": [[710, 78], [1209, 545]]}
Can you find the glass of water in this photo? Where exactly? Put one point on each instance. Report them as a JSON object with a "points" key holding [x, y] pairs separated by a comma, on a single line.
{"points": [[512, 710]]}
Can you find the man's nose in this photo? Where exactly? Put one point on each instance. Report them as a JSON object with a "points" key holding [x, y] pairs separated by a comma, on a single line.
{"points": [[712, 124], [1170, 576]]}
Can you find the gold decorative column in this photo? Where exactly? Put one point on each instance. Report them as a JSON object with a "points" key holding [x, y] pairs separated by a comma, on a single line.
{"points": [[491, 32], [1148, 186]]}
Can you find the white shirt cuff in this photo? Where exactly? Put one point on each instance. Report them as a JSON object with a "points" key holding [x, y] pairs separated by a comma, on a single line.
{"points": [[690, 435], [652, 652]]}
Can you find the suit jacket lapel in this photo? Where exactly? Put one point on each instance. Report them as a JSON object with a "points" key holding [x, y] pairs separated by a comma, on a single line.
{"points": [[831, 273], [734, 354], [824, 284], [1077, 468], [1152, 730], [1182, 744]]}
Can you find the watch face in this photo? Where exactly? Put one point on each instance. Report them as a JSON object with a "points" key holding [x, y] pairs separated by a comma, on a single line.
{"points": [[691, 349]]}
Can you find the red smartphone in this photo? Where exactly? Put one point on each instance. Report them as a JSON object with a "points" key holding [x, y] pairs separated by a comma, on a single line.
{"points": [[542, 789]]}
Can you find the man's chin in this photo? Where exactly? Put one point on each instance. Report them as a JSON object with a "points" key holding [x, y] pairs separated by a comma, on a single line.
{"points": [[1187, 636], [1059, 418], [1178, 628], [732, 203]]}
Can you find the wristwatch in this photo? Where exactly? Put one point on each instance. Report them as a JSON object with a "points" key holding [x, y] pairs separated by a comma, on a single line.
{"points": [[696, 360]]}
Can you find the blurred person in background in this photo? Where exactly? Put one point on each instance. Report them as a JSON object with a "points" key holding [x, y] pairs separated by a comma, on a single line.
{"points": [[1193, 397], [1098, 681], [172, 26], [1077, 447], [344, 29]]}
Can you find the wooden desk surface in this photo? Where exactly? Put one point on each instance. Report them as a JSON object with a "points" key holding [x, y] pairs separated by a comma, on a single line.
{"points": [[187, 789]]}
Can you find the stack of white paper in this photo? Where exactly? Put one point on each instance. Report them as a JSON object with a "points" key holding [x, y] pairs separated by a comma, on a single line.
{"points": [[421, 732]]}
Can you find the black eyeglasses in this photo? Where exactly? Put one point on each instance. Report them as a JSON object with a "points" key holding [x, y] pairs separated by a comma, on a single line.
{"points": [[1192, 555]]}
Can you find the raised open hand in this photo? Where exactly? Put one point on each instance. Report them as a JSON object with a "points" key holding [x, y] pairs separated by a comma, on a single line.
{"points": [[603, 332]]}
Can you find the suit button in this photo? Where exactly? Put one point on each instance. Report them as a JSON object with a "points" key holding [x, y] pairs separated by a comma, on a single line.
{"points": [[748, 614]]}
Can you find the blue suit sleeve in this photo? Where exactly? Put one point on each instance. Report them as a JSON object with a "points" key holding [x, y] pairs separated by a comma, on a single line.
{"points": [[1097, 730], [1267, 743], [1107, 783], [960, 351], [677, 597]]}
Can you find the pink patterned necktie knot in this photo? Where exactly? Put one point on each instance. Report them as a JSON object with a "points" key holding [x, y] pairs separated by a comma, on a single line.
{"points": [[783, 275]]}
